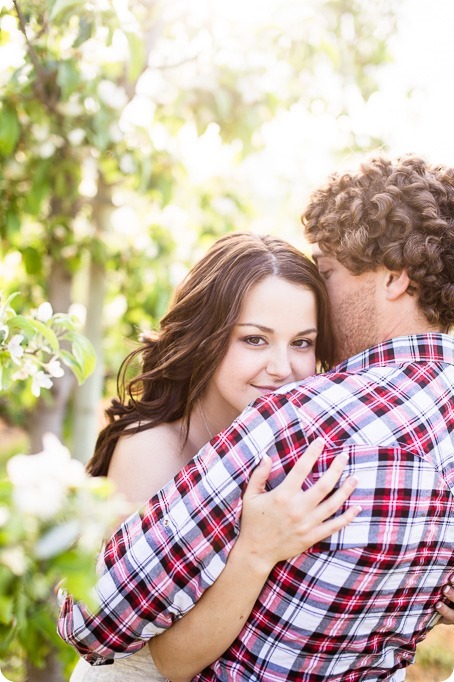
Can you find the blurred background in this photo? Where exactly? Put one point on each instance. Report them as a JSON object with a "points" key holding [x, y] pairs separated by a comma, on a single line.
{"points": [[132, 134]]}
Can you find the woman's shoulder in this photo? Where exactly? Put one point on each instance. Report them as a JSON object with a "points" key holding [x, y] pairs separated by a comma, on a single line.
{"points": [[144, 461], [141, 443]]}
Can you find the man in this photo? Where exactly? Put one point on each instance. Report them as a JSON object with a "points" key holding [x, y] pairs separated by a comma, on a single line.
{"points": [[354, 606]]}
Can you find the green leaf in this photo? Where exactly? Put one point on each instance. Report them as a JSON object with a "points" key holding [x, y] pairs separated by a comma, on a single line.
{"points": [[63, 6], [9, 130], [32, 261], [6, 609], [47, 333], [68, 77], [31, 327], [137, 55], [85, 355], [36, 195], [64, 321], [82, 358], [22, 324], [12, 226], [85, 32]]}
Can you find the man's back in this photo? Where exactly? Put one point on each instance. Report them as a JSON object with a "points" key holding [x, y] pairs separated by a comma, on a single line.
{"points": [[353, 607]]}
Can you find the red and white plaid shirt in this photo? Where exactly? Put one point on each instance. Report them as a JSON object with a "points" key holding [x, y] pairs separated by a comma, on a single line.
{"points": [[354, 606]]}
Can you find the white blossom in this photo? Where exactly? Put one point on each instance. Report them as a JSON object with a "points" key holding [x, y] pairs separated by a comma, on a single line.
{"points": [[40, 380], [46, 150], [44, 312], [14, 558], [76, 136], [71, 108], [54, 368], [112, 95], [15, 349], [127, 164], [42, 481], [4, 515], [40, 132], [27, 369]]}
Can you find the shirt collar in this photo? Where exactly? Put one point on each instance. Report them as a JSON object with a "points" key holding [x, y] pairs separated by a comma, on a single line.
{"points": [[432, 347]]}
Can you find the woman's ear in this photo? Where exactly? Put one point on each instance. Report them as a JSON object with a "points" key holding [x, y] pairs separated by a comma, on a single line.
{"points": [[396, 283]]}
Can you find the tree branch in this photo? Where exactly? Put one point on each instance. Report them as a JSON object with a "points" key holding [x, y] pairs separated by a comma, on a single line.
{"points": [[40, 73]]}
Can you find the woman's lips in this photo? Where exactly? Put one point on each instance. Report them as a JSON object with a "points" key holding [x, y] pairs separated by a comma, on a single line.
{"points": [[265, 389]]}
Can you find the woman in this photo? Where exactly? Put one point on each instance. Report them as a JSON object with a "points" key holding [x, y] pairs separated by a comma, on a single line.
{"points": [[250, 317]]}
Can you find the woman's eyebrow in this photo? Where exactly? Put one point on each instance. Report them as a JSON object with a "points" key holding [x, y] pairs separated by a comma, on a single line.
{"points": [[254, 324], [310, 330]]}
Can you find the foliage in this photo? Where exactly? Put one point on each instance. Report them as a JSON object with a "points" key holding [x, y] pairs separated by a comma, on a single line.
{"points": [[31, 347], [168, 103], [53, 516]]}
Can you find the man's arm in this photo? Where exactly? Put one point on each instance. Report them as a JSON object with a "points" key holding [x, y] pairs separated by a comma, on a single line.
{"points": [[162, 559]]}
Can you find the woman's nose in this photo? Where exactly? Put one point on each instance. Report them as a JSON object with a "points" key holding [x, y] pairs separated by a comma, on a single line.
{"points": [[279, 364]]}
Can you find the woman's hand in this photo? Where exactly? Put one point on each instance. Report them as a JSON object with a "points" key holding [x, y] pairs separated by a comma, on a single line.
{"points": [[447, 611], [275, 525], [279, 524]]}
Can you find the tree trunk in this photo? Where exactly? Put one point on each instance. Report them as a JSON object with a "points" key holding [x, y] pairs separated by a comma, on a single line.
{"points": [[50, 409], [88, 396]]}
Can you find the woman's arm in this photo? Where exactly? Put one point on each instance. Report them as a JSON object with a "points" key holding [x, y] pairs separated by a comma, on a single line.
{"points": [[275, 526]]}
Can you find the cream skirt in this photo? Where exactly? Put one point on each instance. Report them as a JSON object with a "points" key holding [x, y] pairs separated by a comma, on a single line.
{"points": [[138, 667]]}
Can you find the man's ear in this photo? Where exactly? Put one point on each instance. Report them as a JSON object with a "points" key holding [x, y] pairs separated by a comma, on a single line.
{"points": [[396, 283]]}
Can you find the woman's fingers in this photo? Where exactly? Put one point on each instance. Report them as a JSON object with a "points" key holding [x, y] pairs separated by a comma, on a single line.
{"points": [[326, 483], [285, 521], [329, 506], [259, 477], [300, 470], [447, 610], [327, 528]]}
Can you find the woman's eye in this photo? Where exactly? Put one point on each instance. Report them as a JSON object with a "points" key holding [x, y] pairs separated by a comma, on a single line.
{"points": [[254, 340], [302, 343]]}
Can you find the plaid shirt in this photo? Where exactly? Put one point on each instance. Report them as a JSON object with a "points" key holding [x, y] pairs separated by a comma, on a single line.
{"points": [[354, 606]]}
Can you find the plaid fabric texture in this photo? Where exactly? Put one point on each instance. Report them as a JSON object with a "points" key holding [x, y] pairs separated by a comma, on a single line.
{"points": [[354, 606]]}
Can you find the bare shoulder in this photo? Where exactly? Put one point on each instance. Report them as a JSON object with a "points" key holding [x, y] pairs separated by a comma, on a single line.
{"points": [[144, 461], [146, 446]]}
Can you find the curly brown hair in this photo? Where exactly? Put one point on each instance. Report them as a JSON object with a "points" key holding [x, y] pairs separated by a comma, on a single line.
{"points": [[396, 213], [178, 362]]}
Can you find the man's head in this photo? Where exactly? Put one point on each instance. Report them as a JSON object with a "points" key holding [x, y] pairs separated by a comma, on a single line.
{"points": [[384, 239]]}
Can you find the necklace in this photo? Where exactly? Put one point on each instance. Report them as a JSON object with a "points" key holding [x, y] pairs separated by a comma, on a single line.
{"points": [[202, 414]]}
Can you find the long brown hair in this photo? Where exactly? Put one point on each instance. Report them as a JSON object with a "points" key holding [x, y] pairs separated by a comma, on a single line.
{"points": [[180, 359]]}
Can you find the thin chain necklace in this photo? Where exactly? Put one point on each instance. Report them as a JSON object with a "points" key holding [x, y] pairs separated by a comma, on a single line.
{"points": [[202, 414]]}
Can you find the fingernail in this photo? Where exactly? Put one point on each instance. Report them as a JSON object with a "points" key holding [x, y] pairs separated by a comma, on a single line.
{"points": [[352, 480], [439, 606], [359, 508], [446, 590], [319, 441], [343, 458]]}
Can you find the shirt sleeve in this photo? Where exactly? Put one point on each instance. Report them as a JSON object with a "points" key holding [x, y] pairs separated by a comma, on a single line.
{"points": [[162, 558]]}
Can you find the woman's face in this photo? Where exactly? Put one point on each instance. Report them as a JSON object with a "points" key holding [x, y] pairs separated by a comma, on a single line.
{"points": [[272, 344]]}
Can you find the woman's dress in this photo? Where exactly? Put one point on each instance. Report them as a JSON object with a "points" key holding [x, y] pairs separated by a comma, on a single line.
{"points": [[138, 667]]}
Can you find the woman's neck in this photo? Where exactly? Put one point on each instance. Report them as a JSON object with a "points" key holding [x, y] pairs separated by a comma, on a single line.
{"points": [[205, 423]]}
